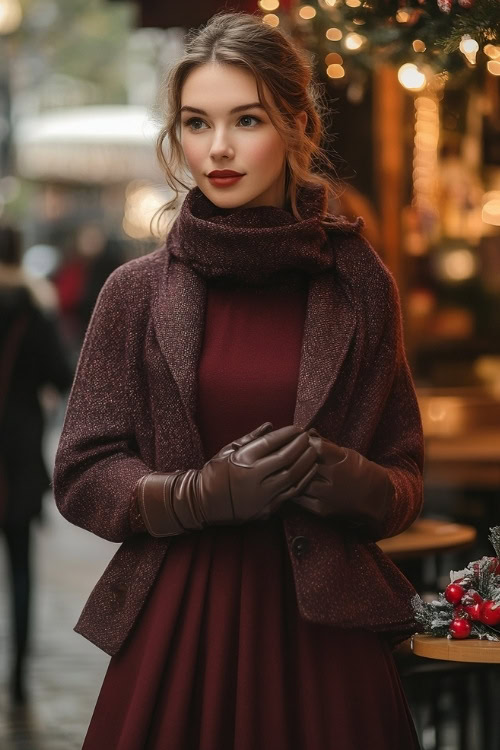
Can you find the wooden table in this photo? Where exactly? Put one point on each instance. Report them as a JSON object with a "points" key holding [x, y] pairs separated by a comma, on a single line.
{"points": [[471, 460], [473, 650], [428, 536], [462, 437]]}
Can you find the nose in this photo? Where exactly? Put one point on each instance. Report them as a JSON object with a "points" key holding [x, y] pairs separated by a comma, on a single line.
{"points": [[221, 146]]}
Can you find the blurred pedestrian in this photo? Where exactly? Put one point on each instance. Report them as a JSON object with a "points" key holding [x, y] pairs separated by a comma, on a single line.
{"points": [[31, 356]]}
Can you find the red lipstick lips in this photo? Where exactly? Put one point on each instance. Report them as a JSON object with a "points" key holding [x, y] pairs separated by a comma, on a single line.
{"points": [[224, 177], [224, 173]]}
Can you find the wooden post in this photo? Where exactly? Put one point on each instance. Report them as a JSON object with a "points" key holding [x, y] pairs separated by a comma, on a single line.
{"points": [[388, 107]]}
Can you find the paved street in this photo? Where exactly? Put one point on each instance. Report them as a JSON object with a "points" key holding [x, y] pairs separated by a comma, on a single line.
{"points": [[66, 671]]}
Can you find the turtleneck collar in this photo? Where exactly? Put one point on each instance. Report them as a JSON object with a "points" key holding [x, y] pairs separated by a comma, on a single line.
{"points": [[251, 244]]}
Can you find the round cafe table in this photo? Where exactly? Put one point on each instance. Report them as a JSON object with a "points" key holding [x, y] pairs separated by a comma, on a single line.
{"points": [[447, 649], [428, 536]]}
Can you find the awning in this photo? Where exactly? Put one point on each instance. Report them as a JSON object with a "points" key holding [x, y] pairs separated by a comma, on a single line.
{"points": [[106, 144]]}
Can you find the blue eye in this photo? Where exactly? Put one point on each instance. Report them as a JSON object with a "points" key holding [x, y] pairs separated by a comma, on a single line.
{"points": [[192, 123], [250, 117]]}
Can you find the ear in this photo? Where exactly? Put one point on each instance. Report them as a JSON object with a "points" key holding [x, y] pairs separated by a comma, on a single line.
{"points": [[302, 120]]}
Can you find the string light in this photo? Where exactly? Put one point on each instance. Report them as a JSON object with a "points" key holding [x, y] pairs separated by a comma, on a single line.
{"points": [[425, 154], [11, 15], [469, 48], [271, 19], [491, 208], [402, 16], [354, 42], [418, 45], [269, 4], [333, 34], [307, 12], [332, 58], [335, 71], [411, 77], [353, 3], [493, 67], [492, 51]]}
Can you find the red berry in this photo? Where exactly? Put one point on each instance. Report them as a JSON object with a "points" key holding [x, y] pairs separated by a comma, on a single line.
{"points": [[454, 592], [490, 612], [495, 566], [460, 628], [473, 610]]}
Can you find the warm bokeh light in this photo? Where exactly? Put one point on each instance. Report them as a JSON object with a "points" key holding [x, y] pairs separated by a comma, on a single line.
{"points": [[493, 67], [269, 4], [425, 153], [333, 57], [141, 203], [335, 71], [402, 16], [457, 265], [469, 48], [307, 11], [11, 15], [333, 34], [354, 42], [492, 51], [353, 3], [491, 208], [418, 45], [411, 77], [271, 19]]}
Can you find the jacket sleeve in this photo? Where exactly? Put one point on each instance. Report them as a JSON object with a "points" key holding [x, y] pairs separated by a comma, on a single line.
{"points": [[397, 444], [97, 466]]}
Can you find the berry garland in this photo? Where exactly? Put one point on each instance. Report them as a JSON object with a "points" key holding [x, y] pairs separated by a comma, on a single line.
{"points": [[470, 604]]}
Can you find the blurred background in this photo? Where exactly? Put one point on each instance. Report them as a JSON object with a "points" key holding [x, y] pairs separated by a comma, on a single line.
{"points": [[412, 92]]}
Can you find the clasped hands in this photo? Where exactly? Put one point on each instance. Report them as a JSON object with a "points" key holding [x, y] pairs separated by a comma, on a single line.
{"points": [[250, 478]]}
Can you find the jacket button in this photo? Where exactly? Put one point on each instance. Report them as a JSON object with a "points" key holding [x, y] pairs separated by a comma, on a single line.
{"points": [[300, 545]]}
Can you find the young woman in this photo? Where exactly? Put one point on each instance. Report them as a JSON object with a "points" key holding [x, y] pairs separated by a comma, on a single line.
{"points": [[244, 421]]}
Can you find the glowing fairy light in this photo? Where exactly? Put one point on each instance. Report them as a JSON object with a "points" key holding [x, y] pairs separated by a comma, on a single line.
{"points": [[411, 77]]}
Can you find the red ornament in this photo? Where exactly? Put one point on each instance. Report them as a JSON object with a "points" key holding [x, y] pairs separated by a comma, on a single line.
{"points": [[490, 612], [454, 592], [460, 628]]}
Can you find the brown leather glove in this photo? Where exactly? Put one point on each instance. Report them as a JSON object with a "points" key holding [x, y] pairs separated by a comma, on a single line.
{"points": [[347, 485], [246, 480]]}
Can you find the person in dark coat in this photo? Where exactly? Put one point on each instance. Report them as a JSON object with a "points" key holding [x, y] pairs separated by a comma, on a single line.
{"points": [[244, 421], [31, 356]]}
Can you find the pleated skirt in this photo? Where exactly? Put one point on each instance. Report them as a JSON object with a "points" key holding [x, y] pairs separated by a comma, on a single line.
{"points": [[220, 659]]}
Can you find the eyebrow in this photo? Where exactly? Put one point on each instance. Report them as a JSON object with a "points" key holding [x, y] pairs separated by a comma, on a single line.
{"points": [[253, 105]]}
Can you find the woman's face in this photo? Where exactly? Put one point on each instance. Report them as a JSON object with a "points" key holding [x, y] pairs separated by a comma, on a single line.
{"points": [[220, 131]]}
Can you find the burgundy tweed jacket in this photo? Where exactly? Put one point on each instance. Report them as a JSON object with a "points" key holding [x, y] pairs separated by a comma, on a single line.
{"points": [[131, 412]]}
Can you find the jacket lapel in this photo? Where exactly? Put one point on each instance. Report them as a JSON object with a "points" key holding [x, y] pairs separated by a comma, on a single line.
{"points": [[328, 330], [178, 319]]}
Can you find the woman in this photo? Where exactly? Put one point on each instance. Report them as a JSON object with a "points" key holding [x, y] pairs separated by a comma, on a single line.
{"points": [[244, 421], [31, 357]]}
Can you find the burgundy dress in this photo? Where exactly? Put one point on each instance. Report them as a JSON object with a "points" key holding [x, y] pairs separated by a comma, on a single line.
{"points": [[220, 658]]}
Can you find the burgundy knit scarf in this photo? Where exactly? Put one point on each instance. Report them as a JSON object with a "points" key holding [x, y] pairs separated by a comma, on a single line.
{"points": [[255, 244]]}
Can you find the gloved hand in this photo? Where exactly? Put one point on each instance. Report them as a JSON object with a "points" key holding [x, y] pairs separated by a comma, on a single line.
{"points": [[348, 485], [247, 479]]}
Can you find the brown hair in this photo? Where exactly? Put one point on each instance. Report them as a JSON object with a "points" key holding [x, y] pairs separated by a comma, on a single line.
{"points": [[247, 42]]}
